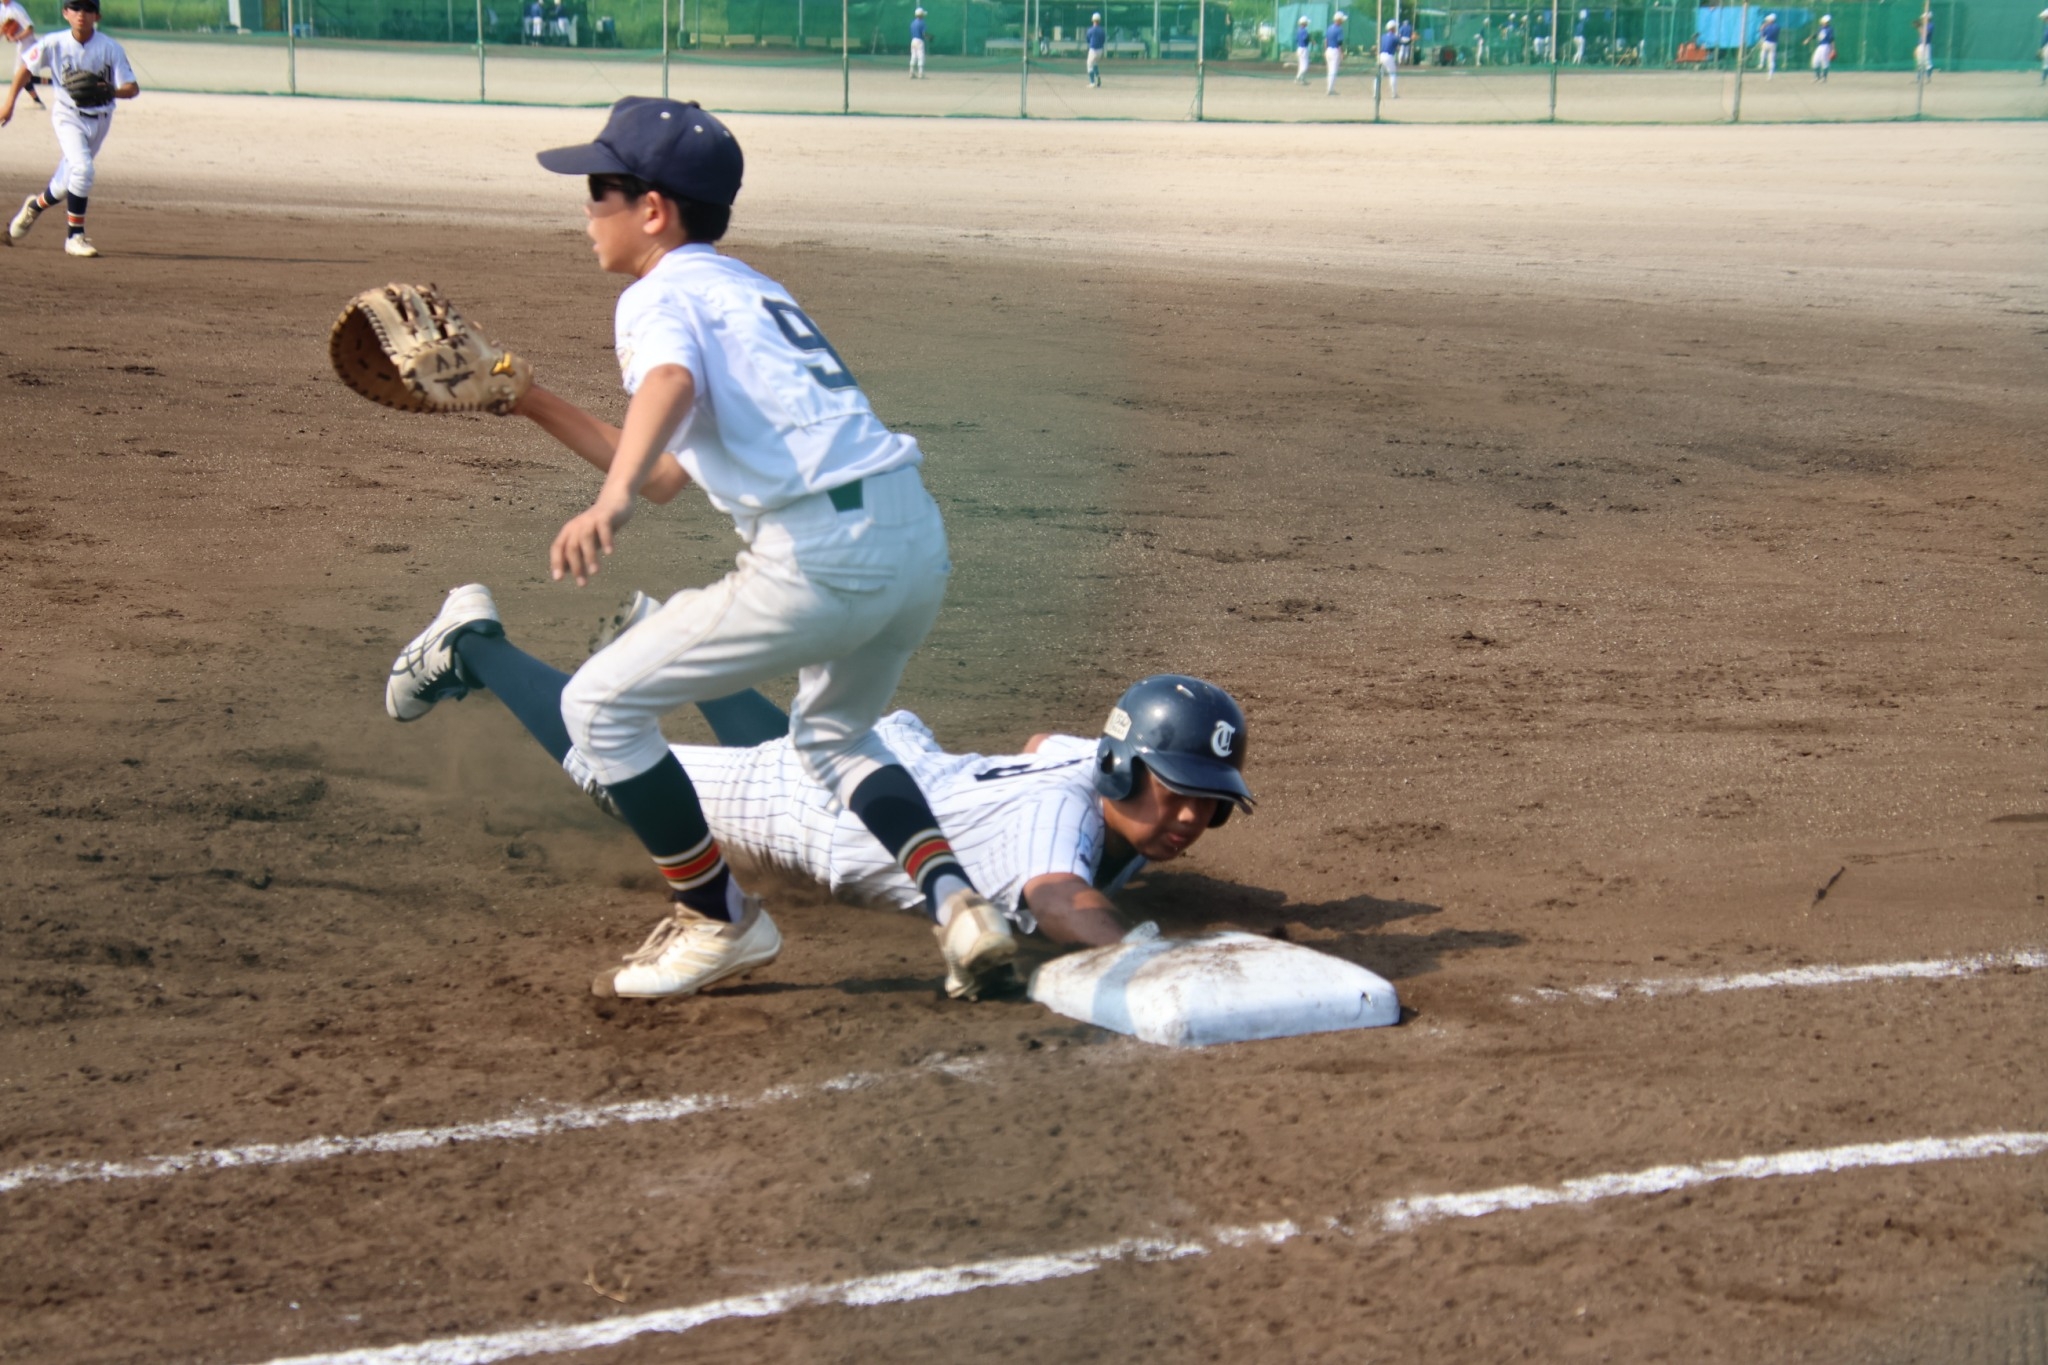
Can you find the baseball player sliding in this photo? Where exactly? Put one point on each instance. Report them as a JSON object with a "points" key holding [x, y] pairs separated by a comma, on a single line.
{"points": [[17, 27], [88, 72], [734, 389], [1052, 831]]}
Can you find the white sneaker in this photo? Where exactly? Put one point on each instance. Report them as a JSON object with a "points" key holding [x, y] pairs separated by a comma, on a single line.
{"points": [[975, 940], [78, 245], [428, 670], [24, 220], [688, 951], [624, 619]]}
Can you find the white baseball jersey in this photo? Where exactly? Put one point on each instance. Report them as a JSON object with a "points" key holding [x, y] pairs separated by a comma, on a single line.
{"points": [[60, 54], [17, 27], [1010, 819], [778, 416]]}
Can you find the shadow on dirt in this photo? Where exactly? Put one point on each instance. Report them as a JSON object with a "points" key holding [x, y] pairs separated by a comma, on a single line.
{"points": [[1354, 928]]}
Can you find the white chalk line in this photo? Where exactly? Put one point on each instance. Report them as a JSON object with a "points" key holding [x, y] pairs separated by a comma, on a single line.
{"points": [[1401, 1214], [583, 1118], [934, 1282], [544, 1124], [1796, 977]]}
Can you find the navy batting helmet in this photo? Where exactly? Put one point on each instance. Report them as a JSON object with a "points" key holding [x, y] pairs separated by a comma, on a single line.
{"points": [[1188, 732]]}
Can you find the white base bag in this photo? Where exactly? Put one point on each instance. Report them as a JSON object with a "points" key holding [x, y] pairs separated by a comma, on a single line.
{"points": [[1217, 988]]}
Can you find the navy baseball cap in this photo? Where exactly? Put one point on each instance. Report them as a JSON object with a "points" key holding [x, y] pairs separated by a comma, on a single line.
{"points": [[83, 6], [673, 145]]}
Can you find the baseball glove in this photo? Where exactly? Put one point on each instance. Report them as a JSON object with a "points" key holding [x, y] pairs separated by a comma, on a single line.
{"points": [[88, 89], [406, 347]]}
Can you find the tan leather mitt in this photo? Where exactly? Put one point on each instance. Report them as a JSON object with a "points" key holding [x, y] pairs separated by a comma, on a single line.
{"points": [[405, 346]]}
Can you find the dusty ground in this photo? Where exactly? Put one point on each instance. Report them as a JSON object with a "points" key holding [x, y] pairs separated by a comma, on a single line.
{"points": [[1602, 571]]}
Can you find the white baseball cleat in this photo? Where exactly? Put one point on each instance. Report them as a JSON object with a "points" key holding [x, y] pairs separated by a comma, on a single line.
{"points": [[975, 941], [23, 221], [624, 619], [428, 670], [77, 244], [688, 951]]}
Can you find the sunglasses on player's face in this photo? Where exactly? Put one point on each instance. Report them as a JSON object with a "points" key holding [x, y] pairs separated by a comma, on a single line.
{"points": [[631, 186]]}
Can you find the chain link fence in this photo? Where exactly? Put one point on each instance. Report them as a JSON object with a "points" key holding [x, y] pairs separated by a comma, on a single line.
{"points": [[1493, 61]]}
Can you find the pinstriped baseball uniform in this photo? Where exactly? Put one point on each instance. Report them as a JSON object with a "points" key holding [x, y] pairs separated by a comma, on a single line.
{"points": [[1010, 818]]}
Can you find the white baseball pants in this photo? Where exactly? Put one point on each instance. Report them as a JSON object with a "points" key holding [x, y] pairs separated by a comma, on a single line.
{"points": [[1391, 71], [1301, 63], [841, 599], [917, 56], [79, 137], [1333, 57]]}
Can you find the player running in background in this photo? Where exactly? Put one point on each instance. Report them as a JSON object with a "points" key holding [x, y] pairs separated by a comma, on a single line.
{"points": [[1303, 39], [917, 32], [17, 27], [81, 132], [1767, 47], [1333, 51], [735, 389], [1096, 39], [1389, 60], [1052, 831], [1823, 41]]}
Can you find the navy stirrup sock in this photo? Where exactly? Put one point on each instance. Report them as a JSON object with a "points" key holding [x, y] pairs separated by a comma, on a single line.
{"points": [[889, 803]]}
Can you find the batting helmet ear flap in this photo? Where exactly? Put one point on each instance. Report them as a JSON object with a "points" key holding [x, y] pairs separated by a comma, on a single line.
{"points": [[1115, 772]]}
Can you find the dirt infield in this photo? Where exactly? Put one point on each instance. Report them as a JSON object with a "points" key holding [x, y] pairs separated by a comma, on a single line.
{"points": [[1606, 567]]}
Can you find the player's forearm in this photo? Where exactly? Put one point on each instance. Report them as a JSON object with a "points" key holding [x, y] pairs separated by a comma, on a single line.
{"points": [[1069, 910], [657, 409], [593, 440]]}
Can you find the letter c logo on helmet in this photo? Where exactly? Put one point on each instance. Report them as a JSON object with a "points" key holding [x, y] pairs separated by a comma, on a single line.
{"points": [[1190, 734], [1220, 737]]}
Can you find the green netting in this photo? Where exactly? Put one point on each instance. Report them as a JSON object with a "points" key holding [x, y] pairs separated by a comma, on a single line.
{"points": [[1478, 61]]}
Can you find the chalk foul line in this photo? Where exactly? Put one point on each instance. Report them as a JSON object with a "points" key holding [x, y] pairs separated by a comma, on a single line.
{"points": [[546, 1123], [1794, 977], [935, 1282], [1401, 1214]]}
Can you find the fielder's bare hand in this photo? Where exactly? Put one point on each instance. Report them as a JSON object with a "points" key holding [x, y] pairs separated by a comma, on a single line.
{"points": [[587, 537]]}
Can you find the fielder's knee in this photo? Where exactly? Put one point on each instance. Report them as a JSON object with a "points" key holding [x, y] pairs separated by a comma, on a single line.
{"points": [[838, 765], [617, 743]]}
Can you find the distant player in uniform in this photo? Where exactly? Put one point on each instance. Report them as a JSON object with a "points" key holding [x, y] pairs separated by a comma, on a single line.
{"points": [[1052, 831], [1333, 51], [1304, 38], [917, 31], [2044, 47], [735, 389], [18, 28], [1407, 52], [81, 132], [1823, 47], [1767, 47], [1539, 34], [1096, 40], [1579, 39], [1923, 50], [1389, 60]]}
